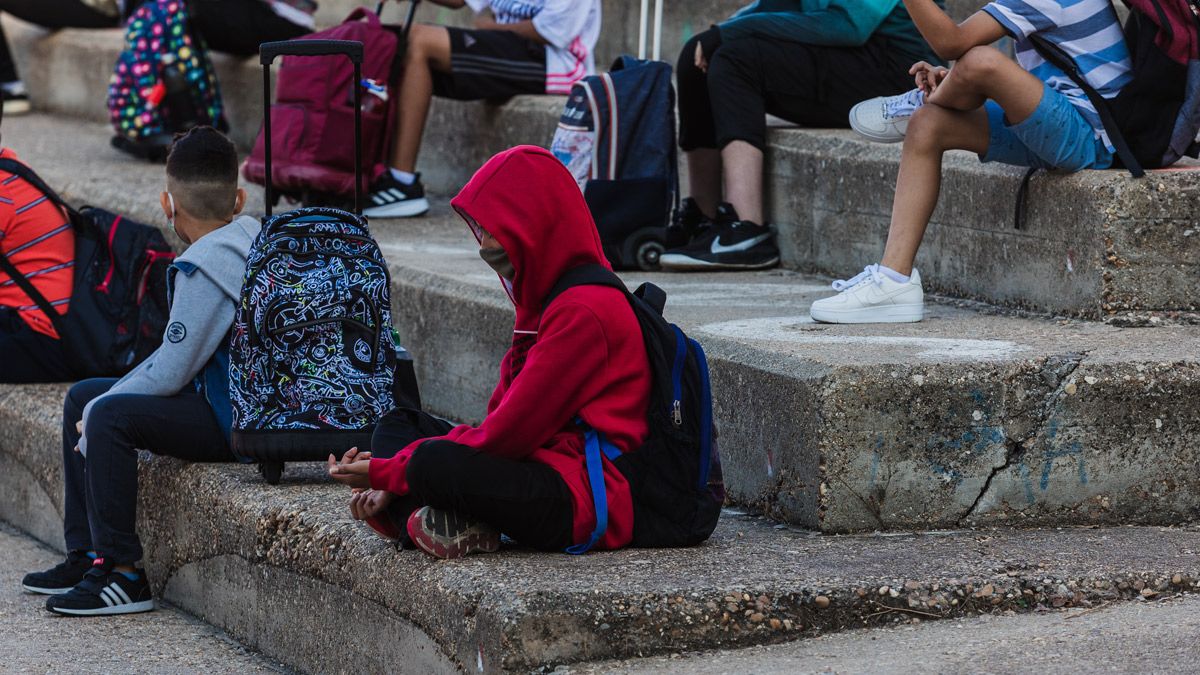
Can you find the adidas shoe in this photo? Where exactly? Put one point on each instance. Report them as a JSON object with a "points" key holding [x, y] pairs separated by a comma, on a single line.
{"points": [[884, 119], [447, 535], [60, 578], [872, 297], [104, 591], [390, 198], [739, 245]]}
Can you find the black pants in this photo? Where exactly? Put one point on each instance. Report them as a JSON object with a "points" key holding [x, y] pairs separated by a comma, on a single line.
{"points": [[527, 501], [27, 355], [100, 511], [52, 14], [810, 85], [239, 26]]}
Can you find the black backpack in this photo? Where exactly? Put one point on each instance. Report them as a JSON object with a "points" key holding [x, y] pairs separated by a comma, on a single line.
{"points": [[1154, 121], [118, 307], [675, 477]]}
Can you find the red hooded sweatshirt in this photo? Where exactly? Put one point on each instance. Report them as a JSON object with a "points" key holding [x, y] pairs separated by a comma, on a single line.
{"points": [[582, 357]]}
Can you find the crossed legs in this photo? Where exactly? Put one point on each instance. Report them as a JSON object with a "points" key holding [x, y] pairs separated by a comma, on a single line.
{"points": [[953, 118]]}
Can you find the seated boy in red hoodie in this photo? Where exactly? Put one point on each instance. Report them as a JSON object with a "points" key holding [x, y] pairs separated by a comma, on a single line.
{"points": [[522, 470]]}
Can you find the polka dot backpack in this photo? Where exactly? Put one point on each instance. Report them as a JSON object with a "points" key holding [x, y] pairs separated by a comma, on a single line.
{"points": [[163, 82]]}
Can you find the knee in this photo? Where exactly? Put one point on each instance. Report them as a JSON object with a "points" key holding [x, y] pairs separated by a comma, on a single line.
{"points": [[422, 42], [434, 464], [739, 58], [925, 128], [979, 65], [78, 396]]}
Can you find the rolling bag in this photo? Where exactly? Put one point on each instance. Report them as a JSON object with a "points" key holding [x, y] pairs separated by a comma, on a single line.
{"points": [[313, 355]]}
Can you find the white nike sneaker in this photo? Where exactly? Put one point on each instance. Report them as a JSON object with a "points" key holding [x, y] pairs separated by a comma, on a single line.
{"points": [[884, 119], [872, 297]]}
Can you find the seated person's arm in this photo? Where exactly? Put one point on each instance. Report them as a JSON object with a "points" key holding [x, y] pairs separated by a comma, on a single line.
{"points": [[948, 39], [842, 23], [559, 377]]}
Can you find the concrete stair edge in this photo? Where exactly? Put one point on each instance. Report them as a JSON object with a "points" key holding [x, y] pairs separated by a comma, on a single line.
{"points": [[279, 566]]}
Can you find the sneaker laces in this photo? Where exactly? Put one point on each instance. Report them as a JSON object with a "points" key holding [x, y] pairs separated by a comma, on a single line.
{"points": [[870, 273], [903, 105]]}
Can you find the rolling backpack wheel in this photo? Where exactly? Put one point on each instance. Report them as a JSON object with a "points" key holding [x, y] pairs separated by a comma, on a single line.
{"points": [[271, 472], [648, 253], [643, 248]]}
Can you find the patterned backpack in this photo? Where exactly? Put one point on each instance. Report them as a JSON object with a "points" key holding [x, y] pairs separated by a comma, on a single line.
{"points": [[312, 351], [163, 82]]}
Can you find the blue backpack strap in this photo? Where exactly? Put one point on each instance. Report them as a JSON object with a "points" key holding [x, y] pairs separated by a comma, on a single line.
{"points": [[595, 449], [705, 414]]}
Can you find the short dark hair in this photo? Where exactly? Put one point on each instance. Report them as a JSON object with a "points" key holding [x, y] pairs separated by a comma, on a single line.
{"points": [[202, 173]]}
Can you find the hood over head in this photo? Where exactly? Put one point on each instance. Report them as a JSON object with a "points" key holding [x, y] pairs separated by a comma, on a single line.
{"points": [[528, 201]]}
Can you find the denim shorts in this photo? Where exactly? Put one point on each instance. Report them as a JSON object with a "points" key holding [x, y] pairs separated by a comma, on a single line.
{"points": [[1055, 136]]}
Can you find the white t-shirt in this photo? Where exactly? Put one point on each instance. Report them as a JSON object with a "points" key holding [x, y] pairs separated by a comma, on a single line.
{"points": [[570, 27]]}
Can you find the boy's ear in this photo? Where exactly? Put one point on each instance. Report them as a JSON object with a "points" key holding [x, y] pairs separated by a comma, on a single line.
{"points": [[239, 202], [165, 202]]}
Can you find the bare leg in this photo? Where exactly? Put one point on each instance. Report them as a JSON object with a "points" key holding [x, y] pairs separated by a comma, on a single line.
{"points": [[743, 169], [428, 52], [704, 178], [952, 119]]}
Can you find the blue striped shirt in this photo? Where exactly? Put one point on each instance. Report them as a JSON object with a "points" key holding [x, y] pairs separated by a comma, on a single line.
{"points": [[1087, 30]]}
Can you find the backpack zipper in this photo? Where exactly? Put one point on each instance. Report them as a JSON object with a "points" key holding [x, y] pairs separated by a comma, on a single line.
{"points": [[677, 376]]}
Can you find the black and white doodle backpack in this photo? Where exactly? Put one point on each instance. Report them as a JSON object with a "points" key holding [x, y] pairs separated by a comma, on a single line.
{"points": [[312, 353]]}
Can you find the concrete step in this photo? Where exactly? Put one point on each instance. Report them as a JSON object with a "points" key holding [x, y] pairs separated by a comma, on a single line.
{"points": [[975, 416], [279, 566], [1124, 638], [1097, 244]]}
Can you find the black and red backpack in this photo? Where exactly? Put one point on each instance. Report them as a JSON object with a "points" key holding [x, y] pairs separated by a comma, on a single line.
{"points": [[1155, 120], [118, 308]]}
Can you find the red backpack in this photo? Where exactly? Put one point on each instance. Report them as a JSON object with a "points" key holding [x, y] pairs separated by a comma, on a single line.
{"points": [[312, 133]]}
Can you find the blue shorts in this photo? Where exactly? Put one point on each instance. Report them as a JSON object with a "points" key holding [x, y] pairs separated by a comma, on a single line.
{"points": [[1056, 136]]}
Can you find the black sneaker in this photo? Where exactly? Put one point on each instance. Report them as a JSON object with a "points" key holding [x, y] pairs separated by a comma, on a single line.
{"points": [[60, 578], [16, 101], [686, 222], [740, 245], [104, 591], [390, 198]]}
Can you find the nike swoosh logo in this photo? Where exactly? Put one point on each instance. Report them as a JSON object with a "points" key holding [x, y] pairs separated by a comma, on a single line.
{"points": [[717, 248]]}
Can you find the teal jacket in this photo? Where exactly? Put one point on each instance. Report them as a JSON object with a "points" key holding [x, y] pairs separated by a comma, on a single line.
{"points": [[834, 23]]}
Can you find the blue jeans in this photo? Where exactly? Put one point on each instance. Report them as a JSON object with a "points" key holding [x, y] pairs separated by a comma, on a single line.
{"points": [[1055, 136], [100, 511]]}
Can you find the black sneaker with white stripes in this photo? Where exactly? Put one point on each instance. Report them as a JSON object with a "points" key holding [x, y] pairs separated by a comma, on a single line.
{"points": [[390, 198], [60, 578], [104, 591]]}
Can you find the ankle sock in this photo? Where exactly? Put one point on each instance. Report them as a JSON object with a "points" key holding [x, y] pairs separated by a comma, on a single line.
{"points": [[893, 274], [404, 177], [14, 88]]}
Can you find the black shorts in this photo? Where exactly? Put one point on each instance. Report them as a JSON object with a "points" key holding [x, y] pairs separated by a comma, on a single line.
{"points": [[491, 64]]}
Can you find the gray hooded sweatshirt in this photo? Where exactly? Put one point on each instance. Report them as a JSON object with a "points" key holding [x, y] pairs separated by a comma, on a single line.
{"points": [[206, 288]]}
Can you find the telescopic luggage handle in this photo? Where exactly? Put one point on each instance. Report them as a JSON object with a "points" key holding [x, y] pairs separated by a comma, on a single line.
{"points": [[352, 49], [643, 27]]}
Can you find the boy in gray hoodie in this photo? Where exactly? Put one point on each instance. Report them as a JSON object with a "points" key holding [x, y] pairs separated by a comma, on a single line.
{"points": [[175, 403]]}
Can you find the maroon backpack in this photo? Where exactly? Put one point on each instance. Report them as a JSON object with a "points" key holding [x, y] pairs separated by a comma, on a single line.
{"points": [[312, 135]]}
